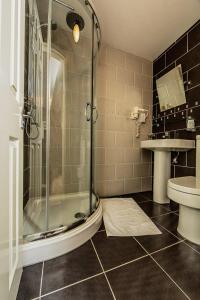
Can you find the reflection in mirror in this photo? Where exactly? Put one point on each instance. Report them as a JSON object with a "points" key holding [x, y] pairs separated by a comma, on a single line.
{"points": [[170, 88]]}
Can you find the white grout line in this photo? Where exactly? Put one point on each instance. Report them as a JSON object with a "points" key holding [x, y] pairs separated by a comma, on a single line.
{"points": [[181, 239], [163, 270], [166, 247], [41, 280], [69, 285], [175, 61], [126, 263], [185, 242], [103, 270], [167, 213]]}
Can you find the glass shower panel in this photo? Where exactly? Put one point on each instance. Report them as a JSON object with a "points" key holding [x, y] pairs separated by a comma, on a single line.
{"points": [[35, 210], [70, 119]]}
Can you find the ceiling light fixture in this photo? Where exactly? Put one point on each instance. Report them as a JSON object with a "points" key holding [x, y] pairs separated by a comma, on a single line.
{"points": [[76, 23]]}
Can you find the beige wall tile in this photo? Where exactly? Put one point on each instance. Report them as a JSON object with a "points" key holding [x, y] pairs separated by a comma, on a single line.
{"points": [[133, 95], [115, 57], [104, 172], [101, 122], [125, 76], [115, 123], [105, 138], [133, 63], [100, 155], [132, 185], [147, 184], [114, 155], [124, 171], [105, 106], [147, 97], [116, 90], [106, 72], [124, 139], [147, 67], [142, 170], [143, 81], [132, 155], [101, 88], [110, 188]]}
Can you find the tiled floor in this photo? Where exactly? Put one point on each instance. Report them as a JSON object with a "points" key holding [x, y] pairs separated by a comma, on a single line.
{"points": [[142, 268]]}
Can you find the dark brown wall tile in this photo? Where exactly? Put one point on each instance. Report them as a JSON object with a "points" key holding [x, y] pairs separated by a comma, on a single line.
{"points": [[184, 171], [194, 36], [190, 59], [179, 48], [194, 76], [191, 158], [175, 119], [159, 64]]}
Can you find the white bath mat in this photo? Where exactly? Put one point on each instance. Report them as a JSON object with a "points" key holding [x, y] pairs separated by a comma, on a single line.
{"points": [[124, 217]]}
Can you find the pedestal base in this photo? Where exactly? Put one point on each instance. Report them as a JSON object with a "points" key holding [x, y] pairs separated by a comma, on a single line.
{"points": [[189, 223], [162, 172]]}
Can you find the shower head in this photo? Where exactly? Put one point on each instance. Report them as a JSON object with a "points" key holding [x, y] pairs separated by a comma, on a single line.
{"points": [[54, 25], [76, 23]]}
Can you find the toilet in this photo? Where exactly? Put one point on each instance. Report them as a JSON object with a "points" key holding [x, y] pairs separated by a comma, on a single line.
{"points": [[186, 192]]}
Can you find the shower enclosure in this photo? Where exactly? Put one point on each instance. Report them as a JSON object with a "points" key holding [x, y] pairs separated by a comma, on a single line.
{"points": [[61, 117]]}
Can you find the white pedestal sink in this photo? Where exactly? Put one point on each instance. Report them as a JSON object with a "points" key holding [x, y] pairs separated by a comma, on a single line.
{"points": [[162, 163]]}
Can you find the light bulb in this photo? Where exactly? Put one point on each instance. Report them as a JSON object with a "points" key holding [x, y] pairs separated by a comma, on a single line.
{"points": [[76, 33]]}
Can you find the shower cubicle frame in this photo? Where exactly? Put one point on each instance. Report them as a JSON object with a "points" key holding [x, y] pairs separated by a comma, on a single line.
{"points": [[95, 26]]}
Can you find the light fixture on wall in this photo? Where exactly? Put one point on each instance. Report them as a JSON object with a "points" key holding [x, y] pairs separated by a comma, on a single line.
{"points": [[76, 23]]}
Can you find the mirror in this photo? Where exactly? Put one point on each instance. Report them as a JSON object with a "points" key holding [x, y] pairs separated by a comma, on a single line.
{"points": [[170, 88]]}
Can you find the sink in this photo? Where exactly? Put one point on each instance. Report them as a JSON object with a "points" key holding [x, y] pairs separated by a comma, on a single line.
{"points": [[162, 163], [168, 145]]}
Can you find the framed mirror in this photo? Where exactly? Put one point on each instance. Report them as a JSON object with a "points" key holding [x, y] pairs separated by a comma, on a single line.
{"points": [[170, 88]]}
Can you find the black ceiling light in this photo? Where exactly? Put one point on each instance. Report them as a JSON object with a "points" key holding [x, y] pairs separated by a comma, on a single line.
{"points": [[76, 23]]}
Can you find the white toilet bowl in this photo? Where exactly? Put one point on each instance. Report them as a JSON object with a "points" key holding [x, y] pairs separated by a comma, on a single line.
{"points": [[186, 192]]}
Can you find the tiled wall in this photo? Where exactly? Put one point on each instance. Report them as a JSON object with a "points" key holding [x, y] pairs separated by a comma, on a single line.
{"points": [[69, 132], [123, 81], [185, 51]]}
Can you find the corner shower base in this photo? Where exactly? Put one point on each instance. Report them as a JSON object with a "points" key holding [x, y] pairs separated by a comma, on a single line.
{"points": [[62, 210], [45, 249]]}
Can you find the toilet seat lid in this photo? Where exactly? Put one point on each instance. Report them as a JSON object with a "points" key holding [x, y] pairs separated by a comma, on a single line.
{"points": [[187, 184]]}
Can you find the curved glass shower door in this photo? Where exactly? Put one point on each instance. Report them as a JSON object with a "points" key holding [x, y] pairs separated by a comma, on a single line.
{"points": [[61, 90], [69, 109]]}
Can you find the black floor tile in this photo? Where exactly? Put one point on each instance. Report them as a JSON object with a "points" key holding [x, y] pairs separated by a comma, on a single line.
{"points": [[138, 197], [30, 282], [148, 195], [143, 280], [114, 251], [153, 209], [102, 227], [194, 246], [169, 221], [156, 242], [173, 206], [69, 268], [93, 289], [183, 264]]}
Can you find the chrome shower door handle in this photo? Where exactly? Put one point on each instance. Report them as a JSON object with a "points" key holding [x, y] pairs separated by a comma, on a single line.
{"points": [[88, 111], [96, 115]]}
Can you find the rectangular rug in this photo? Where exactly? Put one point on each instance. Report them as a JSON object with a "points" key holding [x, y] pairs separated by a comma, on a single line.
{"points": [[124, 217]]}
